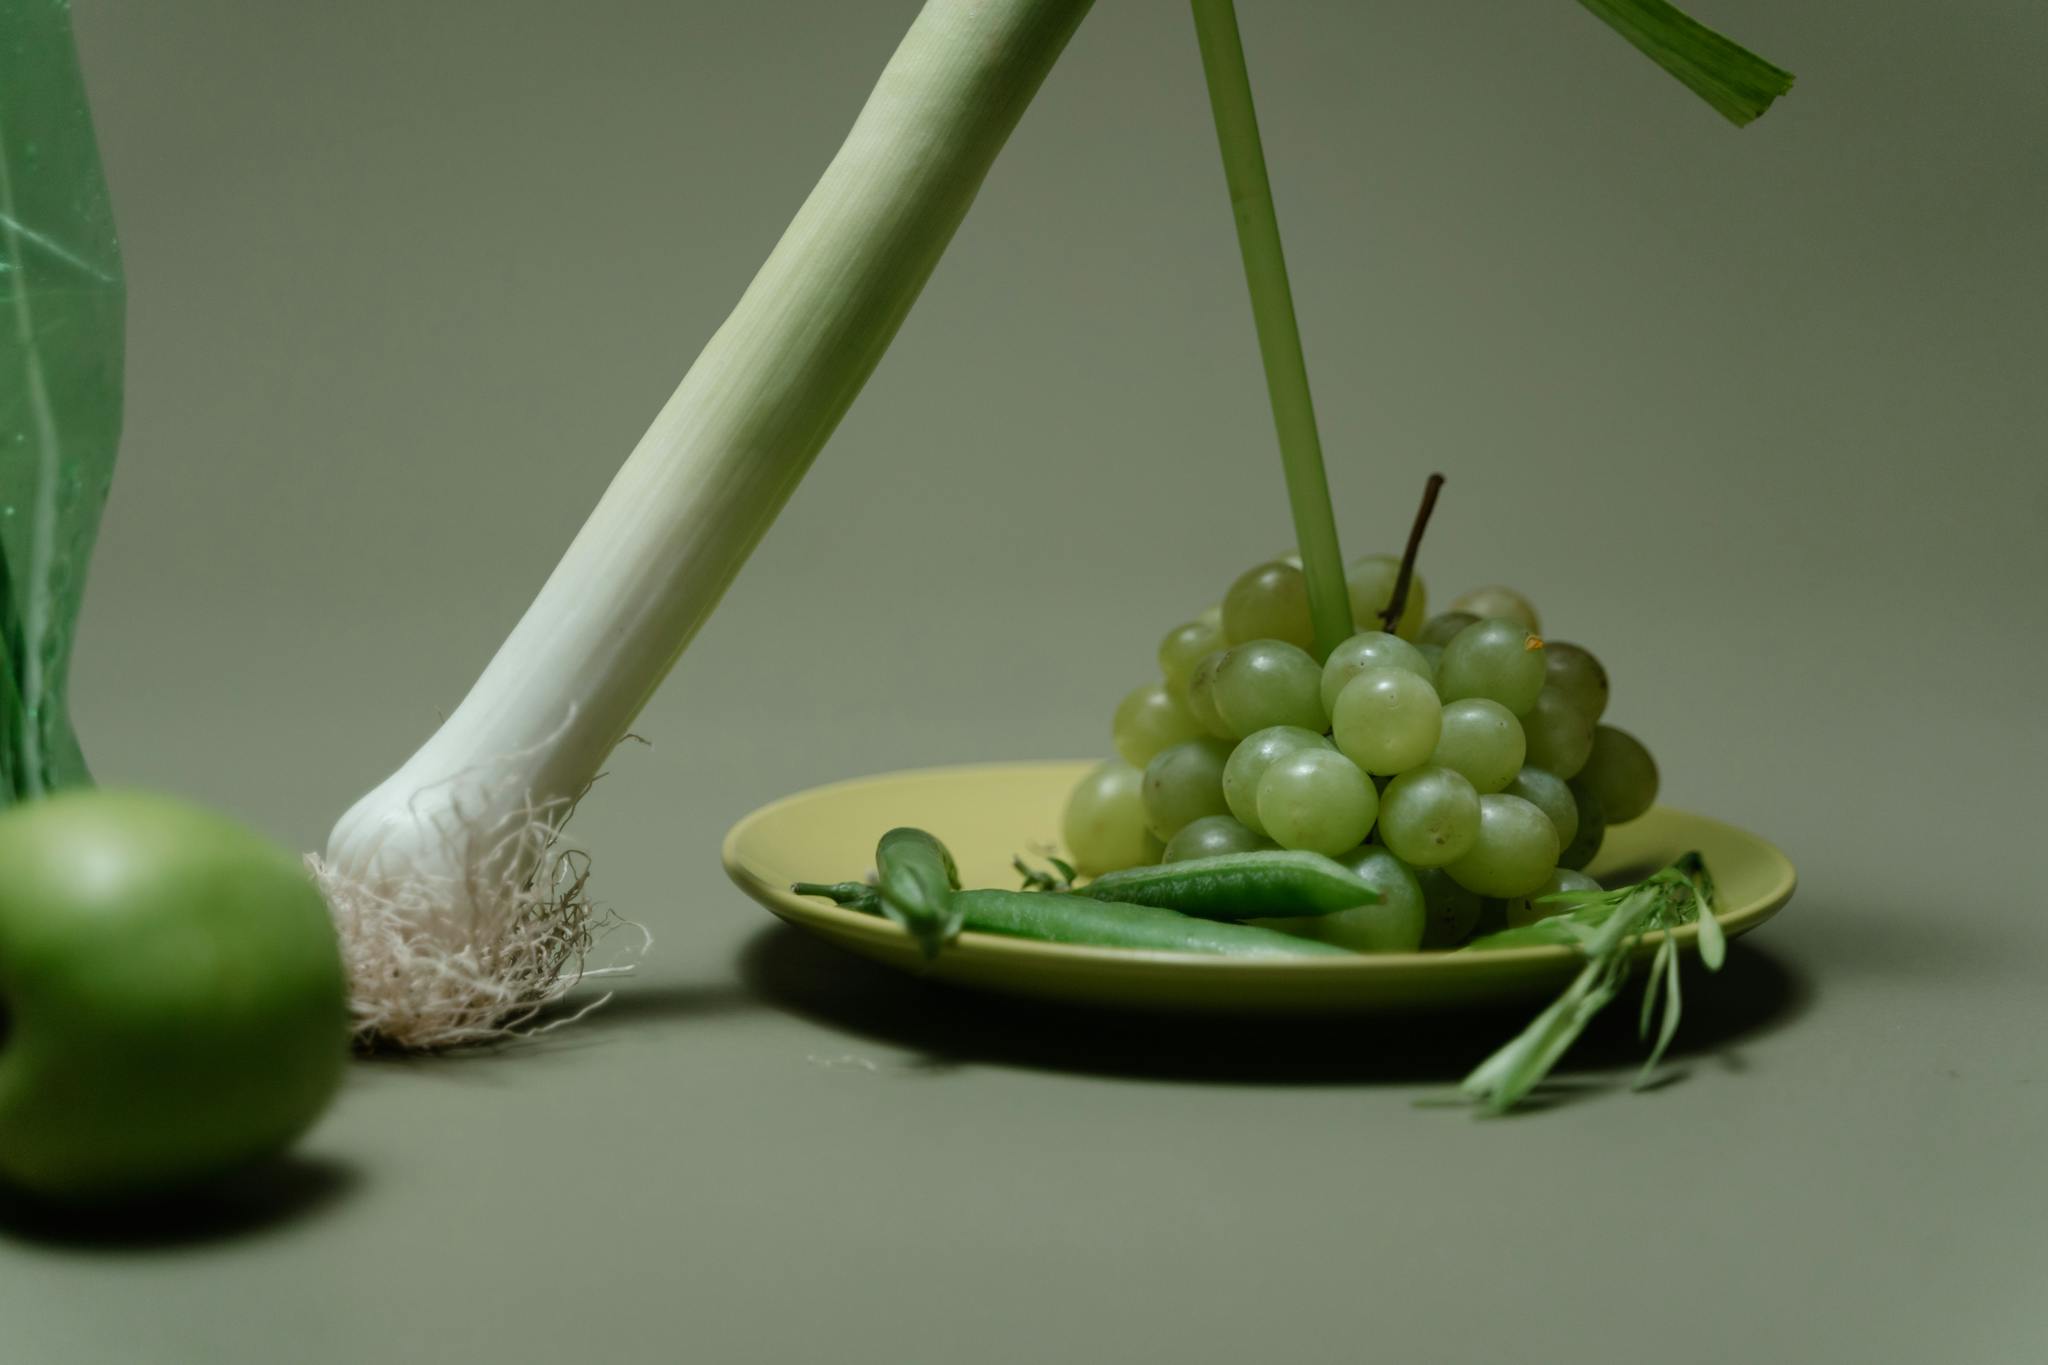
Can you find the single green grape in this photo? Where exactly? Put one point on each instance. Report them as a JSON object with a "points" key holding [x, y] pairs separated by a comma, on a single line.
{"points": [[1147, 720], [1387, 720], [1369, 649], [1550, 794], [1527, 910], [1585, 845], [1183, 783], [1316, 799], [1576, 674], [1201, 700], [1452, 911], [1371, 584], [1263, 683], [1249, 761], [1504, 603], [1212, 836], [1429, 816], [1515, 853], [1621, 773], [1560, 737], [1104, 823], [1441, 630], [1269, 602], [1182, 649], [1395, 924], [1495, 659], [1434, 655], [1483, 740]]}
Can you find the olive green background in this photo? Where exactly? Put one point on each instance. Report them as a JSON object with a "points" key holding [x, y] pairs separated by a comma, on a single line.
{"points": [[1758, 415]]}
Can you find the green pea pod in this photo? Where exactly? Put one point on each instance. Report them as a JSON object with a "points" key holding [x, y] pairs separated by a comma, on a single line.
{"points": [[1268, 884], [916, 878], [1057, 917]]}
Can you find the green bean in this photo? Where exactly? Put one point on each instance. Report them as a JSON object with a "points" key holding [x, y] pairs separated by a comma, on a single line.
{"points": [[1057, 917], [916, 878], [1266, 884]]}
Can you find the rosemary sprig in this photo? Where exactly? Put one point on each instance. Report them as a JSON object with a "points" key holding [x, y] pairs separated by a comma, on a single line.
{"points": [[1606, 929], [1059, 876]]}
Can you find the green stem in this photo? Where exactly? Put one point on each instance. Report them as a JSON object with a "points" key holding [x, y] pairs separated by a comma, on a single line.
{"points": [[1737, 82], [1265, 270]]}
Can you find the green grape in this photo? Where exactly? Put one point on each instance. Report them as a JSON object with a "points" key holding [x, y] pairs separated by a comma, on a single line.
{"points": [[1621, 773], [1504, 603], [1104, 823], [1559, 736], [1495, 659], [1182, 649], [1147, 720], [1577, 675], [1387, 720], [1316, 799], [1585, 845], [1269, 602], [1433, 655], [1393, 925], [1262, 683], [1211, 615], [1183, 783], [1249, 761], [1202, 694], [1369, 649], [1515, 853], [1441, 630], [1212, 836], [1371, 584], [1482, 740], [1527, 910], [1452, 910], [1549, 793], [1429, 816]]}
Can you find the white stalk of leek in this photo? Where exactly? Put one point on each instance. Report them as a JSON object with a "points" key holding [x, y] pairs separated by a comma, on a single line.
{"points": [[459, 917]]}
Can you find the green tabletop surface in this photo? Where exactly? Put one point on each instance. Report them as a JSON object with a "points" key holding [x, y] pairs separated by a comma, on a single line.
{"points": [[1757, 415]]}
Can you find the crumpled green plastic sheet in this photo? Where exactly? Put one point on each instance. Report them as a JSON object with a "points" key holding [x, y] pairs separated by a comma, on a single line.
{"points": [[62, 308]]}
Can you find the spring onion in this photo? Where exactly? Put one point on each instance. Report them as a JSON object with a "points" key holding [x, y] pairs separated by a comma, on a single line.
{"points": [[1739, 84], [456, 908], [63, 305]]}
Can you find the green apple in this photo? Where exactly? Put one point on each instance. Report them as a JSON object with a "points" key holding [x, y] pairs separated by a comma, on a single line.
{"points": [[172, 1000]]}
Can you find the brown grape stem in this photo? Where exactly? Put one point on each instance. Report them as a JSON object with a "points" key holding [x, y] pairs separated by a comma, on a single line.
{"points": [[1399, 601]]}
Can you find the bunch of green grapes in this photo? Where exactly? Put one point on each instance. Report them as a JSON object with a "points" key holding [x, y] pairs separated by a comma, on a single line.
{"points": [[1458, 762]]}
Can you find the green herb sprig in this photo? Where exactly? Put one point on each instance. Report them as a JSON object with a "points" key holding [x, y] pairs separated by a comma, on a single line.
{"points": [[1607, 929], [1060, 875]]}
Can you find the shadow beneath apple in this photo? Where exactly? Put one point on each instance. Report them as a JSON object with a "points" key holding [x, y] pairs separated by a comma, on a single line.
{"points": [[248, 1203], [947, 1027]]}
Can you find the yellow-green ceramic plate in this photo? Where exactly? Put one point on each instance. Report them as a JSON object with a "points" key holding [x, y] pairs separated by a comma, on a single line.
{"points": [[987, 813]]}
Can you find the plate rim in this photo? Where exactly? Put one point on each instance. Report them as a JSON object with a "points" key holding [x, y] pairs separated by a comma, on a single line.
{"points": [[788, 906]]}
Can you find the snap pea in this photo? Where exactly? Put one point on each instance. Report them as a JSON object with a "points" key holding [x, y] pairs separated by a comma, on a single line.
{"points": [[916, 878], [1265, 884], [1059, 917]]}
